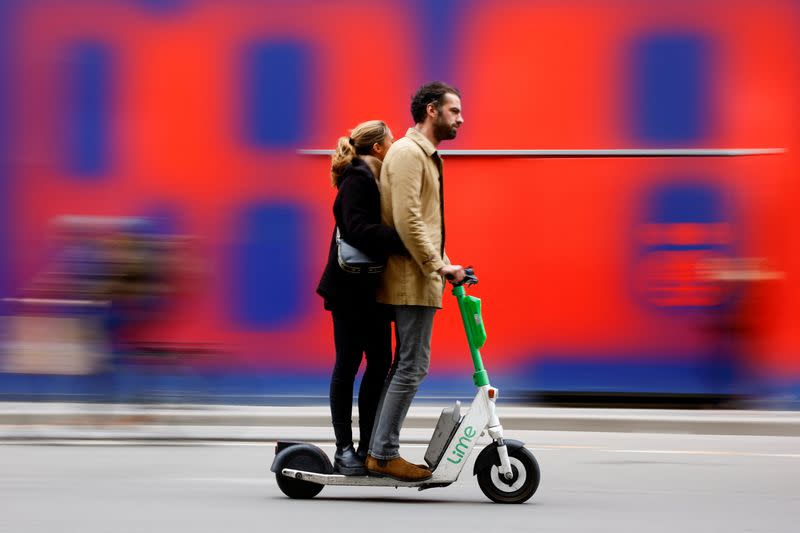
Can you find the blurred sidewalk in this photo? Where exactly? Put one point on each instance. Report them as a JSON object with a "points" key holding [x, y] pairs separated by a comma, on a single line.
{"points": [[148, 422]]}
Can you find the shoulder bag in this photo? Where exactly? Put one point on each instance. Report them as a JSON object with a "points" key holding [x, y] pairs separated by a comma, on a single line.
{"points": [[353, 260]]}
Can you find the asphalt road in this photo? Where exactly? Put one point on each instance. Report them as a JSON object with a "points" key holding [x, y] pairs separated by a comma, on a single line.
{"points": [[611, 482]]}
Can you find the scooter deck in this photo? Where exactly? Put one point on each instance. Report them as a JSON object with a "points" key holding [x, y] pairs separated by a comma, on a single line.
{"points": [[359, 481]]}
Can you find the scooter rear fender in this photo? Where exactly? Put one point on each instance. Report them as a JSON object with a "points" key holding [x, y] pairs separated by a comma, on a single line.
{"points": [[284, 450]]}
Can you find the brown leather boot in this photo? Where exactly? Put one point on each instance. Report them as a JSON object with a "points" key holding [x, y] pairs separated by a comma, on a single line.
{"points": [[397, 468]]}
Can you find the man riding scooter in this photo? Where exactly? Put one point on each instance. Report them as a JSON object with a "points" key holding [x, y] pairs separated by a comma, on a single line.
{"points": [[412, 202]]}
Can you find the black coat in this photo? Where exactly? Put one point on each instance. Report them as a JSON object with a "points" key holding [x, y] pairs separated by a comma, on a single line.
{"points": [[357, 212]]}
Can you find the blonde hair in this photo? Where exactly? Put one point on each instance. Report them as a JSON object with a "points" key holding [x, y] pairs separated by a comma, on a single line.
{"points": [[362, 138]]}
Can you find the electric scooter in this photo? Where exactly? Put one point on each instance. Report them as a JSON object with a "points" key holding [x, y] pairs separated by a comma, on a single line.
{"points": [[507, 472]]}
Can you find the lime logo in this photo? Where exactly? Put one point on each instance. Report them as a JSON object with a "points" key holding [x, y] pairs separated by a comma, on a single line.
{"points": [[463, 445]]}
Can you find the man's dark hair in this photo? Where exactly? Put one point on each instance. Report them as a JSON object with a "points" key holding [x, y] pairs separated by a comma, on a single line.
{"points": [[430, 93]]}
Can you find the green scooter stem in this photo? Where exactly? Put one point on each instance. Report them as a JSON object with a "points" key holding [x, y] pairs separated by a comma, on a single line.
{"points": [[476, 335]]}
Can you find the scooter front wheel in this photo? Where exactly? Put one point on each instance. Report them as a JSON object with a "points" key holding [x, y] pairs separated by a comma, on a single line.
{"points": [[522, 484]]}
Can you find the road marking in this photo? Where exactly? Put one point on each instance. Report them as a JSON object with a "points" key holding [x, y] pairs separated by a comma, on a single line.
{"points": [[239, 480], [708, 452], [669, 452], [327, 444]]}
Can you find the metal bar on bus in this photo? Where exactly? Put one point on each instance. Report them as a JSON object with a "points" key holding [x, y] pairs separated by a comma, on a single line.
{"points": [[614, 152]]}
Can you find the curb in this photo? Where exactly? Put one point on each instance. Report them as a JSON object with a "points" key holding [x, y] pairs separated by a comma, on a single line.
{"points": [[27, 420]]}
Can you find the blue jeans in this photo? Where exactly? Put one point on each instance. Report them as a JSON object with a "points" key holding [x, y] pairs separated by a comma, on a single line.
{"points": [[414, 325]]}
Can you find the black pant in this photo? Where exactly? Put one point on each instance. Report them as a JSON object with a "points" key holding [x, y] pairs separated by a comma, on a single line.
{"points": [[356, 332]]}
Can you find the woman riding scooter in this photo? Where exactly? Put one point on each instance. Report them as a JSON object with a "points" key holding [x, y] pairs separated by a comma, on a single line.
{"points": [[360, 325]]}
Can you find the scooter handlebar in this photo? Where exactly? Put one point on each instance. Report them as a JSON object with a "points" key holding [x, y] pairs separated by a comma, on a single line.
{"points": [[469, 279]]}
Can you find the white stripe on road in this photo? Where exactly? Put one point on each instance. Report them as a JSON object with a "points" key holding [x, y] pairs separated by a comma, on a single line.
{"points": [[239, 480], [705, 452], [673, 452], [327, 444]]}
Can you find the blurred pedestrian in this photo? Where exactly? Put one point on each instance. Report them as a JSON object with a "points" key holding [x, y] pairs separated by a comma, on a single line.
{"points": [[360, 325], [412, 201]]}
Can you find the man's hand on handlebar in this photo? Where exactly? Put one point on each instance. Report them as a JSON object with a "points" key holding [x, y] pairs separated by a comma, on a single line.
{"points": [[453, 273]]}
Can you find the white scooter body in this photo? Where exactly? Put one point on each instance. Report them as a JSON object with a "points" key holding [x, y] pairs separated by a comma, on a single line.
{"points": [[480, 418]]}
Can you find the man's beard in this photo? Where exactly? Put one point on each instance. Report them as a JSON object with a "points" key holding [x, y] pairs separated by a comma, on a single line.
{"points": [[444, 131]]}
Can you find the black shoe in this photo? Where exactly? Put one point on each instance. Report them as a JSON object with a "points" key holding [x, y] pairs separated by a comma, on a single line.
{"points": [[362, 452], [346, 461]]}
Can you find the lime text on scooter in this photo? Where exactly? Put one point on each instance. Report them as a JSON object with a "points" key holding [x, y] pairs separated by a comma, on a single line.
{"points": [[463, 445]]}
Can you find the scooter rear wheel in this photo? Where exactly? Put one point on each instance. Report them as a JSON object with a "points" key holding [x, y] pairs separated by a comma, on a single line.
{"points": [[521, 486], [305, 460]]}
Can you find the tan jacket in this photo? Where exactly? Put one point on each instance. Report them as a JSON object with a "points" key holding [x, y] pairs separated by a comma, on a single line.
{"points": [[411, 204]]}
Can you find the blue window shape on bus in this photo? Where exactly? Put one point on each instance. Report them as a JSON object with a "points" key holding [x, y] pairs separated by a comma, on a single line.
{"points": [[276, 93], [87, 121], [686, 200], [439, 42], [269, 274], [687, 228], [671, 88]]}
